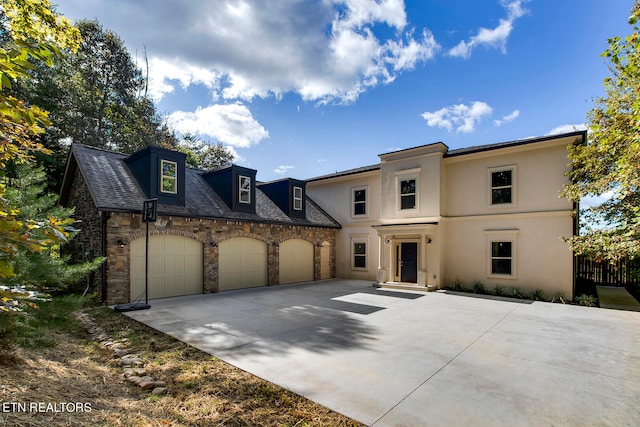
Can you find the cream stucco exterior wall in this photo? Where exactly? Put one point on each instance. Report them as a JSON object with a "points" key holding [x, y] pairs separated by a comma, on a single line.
{"points": [[454, 222], [336, 198]]}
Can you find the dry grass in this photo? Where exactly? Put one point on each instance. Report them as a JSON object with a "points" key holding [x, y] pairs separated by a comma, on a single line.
{"points": [[202, 390]]}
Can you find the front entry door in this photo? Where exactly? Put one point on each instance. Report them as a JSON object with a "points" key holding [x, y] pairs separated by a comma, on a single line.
{"points": [[409, 262]]}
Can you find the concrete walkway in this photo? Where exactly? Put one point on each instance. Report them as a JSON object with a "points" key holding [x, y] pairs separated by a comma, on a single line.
{"points": [[617, 298], [401, 358]]}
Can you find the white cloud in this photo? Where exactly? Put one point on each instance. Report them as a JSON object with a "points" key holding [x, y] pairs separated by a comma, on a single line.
{"points": [[496, 37], [567, 128], [508, 118], [324, 50], [163, 74], [463, 117], [282, 169], [230, 124]]}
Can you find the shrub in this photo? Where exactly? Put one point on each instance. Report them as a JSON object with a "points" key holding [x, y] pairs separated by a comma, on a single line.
{"points": [[586, 300], [538, 295], [457, 286], [478, 288]]}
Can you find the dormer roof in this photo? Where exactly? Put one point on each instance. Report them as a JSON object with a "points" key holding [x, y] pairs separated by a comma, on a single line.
{"points": [[114, 187]]}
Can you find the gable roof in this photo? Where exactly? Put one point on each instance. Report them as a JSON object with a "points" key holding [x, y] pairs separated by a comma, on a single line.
{"points": [[113, 187]]}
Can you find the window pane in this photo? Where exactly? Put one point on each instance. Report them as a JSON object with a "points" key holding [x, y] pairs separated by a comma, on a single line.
{"points": [[360, 209], [501, 178], [169, 185], [359, 248], [297, 204], [169, 169], [360, 261], [408, 202], [408, 187], [245, 182], [297, 192], [502, 195], [501, 249], [360, 195], [501, 266]]}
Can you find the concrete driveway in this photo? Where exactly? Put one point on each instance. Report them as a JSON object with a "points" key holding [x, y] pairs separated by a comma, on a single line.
{"points": [[399, 358]]}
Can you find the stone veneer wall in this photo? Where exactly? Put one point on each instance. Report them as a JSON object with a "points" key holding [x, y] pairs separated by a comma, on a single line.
{"points": [[89, 240], [126, 227]]}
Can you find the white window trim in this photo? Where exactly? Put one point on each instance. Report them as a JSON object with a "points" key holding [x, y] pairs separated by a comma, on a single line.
{"points": [[360, 239], [244, 190], [366, 202], [514, 186], [297, 199], [172, 178], [406, 175], [502, 236]]}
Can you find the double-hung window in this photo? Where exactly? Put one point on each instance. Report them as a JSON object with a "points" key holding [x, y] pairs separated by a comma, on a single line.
{"points": [[297, 198], [407, 194], [502, 258], [359, 243], [502, 253], [168, 177], [359, 201], [503, 186], [244, 195], [359, 255]]}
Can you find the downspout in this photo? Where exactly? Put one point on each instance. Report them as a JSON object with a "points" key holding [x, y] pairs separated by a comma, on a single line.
{"points": [[103, 269]]}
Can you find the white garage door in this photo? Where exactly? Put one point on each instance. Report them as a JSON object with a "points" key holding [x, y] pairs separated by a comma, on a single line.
{"points": [[296, 261], [242, 263], [175, 267]]}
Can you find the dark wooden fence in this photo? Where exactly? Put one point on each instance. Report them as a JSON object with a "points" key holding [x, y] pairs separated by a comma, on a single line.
{"points": [[621, 273]]}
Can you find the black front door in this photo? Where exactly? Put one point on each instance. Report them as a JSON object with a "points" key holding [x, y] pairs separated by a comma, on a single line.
{"points": [[409, 262]]}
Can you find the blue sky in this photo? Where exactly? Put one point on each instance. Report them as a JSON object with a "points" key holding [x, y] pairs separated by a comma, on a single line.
{"points": [[302, 88]]}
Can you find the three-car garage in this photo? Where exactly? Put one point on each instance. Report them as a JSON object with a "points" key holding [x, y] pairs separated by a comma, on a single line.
{"points": [[176, 264]]}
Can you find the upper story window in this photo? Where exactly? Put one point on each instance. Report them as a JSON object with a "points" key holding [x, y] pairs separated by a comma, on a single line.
{"points": [[297, 198], [244, 189], [407, 193], [502, 186], [169, 177], [359, 201]]}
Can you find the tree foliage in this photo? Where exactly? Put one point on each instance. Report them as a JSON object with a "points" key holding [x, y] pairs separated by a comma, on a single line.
{"points": [[608, 164], [204, 155], [33, 33], [44, 268], [97, 97]]}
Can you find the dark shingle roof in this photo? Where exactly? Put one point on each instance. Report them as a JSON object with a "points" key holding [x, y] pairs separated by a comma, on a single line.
{"points": [[114, 188], [346, 172], [488, 147], [457, 152]]}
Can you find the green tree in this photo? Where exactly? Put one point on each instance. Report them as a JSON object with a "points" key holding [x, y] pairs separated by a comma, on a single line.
{"points": [[95, 96], [46, 269], [204, 155], [33, 33], [609, 162]]}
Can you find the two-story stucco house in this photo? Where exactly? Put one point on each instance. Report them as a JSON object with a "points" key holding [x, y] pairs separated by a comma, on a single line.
{"points": [[430, 216]]}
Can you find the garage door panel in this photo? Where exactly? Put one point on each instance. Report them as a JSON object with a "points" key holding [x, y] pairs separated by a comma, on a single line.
{"points": [[242, 263], [175, 266], [296, 261]]}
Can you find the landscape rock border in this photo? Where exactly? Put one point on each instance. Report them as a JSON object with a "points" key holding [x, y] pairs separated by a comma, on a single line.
{"points": [[132, 364]]}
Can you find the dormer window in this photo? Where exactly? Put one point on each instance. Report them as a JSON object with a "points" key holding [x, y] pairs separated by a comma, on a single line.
{"points": [[297, 198], [169, 177], [244, 189]]}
